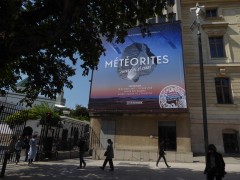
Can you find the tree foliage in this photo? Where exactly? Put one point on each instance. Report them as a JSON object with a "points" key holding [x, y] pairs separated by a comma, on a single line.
{"points": [[37, 36], [80, 113], [36, 112], [16, 118], [41, 111]]}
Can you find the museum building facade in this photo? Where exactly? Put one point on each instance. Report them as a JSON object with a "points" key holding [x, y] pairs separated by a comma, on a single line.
{"points": [[148, 89]]}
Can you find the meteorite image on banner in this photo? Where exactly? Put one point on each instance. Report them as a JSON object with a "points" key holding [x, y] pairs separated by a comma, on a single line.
{"points": [[142, 62]]}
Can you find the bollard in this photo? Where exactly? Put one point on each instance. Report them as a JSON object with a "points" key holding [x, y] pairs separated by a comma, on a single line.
{"points": [[6, 157]]}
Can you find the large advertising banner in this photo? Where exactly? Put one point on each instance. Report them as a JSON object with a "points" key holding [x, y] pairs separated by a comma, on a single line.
{"points": [[141, 74]]}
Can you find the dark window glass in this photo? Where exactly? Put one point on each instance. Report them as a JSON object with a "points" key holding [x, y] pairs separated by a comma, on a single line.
{"points": [[230, 142], [211, 13], [223, 91], [216, 47]]}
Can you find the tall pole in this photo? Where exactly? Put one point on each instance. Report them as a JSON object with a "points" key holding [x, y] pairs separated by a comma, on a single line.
{"points": [[200, 11], [91, 131], [204, 109], [90, 90]]}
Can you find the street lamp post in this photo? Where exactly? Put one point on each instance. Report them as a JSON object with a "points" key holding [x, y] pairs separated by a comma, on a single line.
{"points": [[199, 10], [90, 90]]}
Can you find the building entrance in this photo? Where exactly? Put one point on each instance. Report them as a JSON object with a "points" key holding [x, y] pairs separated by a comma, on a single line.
{"points": [[167, 132]]}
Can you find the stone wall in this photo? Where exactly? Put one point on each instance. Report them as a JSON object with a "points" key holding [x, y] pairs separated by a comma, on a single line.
{"points": [[219, 116], [138, 155]]}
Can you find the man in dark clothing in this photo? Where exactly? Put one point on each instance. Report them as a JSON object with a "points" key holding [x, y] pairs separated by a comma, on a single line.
{"points": [[162, 154], [81, 147], [215, 165], [18, 148], [27, 147]]}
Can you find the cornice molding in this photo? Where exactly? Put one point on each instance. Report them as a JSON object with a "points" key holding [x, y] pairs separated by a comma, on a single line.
{"points": [[215, 28]]}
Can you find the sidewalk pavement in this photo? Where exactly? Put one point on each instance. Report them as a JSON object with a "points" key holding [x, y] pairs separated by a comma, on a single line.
{"points": [[124, 170]]}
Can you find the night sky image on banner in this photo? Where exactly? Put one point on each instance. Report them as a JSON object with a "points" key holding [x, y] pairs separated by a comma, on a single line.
{"points": [[142, 74]]}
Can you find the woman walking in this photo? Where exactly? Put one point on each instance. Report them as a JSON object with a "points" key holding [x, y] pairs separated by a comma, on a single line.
{"points": [[81, 147], [162, 154], [32, 150], [109, 156]]}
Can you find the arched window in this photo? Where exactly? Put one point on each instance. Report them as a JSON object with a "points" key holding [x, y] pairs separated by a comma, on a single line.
{"points": [[65, 135], [75, 137]]}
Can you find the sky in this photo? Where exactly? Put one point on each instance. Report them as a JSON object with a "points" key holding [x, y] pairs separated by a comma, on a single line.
{"points": [[79, 94]]}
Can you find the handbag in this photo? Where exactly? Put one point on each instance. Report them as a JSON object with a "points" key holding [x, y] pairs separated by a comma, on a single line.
{"points": [[105, 154]]}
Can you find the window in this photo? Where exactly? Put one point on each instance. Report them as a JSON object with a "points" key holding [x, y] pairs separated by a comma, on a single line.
{"points": [[211, 13], [230, 142], [223, 91], [216, 47]]}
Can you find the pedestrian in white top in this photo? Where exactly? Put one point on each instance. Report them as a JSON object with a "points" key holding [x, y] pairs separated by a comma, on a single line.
{"points": [[32, 150]]}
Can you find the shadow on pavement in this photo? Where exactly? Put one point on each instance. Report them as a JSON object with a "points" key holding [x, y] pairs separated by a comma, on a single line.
{"points": [[122, 172]]}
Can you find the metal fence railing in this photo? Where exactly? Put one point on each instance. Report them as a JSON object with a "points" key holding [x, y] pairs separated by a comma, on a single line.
{"points": [[12, 123], [61, 137]]}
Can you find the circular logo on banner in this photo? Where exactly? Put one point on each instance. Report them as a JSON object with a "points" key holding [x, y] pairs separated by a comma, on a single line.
{"points": [[172, 97]]}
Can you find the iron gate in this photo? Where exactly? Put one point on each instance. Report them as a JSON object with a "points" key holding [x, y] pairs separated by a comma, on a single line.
{"points": [[12, 122], [59, 137]]}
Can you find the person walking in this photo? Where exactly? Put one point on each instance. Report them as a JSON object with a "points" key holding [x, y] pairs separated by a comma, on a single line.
{"points": [[32, 150], [18, 148], [12, 146], [27, 146], [81, 147], [162, 154], [109, 156], [215, 165]]}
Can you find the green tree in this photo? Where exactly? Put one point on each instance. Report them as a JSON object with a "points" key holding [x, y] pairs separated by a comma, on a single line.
{"points": [[36, 112], [41, 111], [37, 36], [16, 118], [80, 113]]}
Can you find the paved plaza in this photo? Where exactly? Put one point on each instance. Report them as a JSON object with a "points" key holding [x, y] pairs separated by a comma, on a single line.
{"points": [[124, 170]]}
